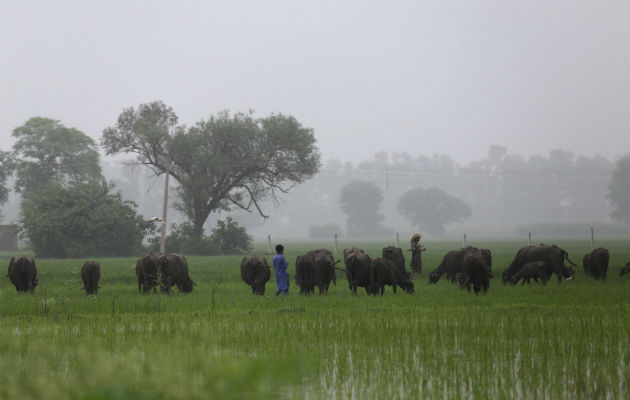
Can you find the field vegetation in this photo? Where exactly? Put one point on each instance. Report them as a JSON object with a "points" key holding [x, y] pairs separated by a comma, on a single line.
{"points": [[562, 340]]}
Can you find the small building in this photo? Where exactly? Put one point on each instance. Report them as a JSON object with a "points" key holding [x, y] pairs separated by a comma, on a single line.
{"points": [[8, 238]]}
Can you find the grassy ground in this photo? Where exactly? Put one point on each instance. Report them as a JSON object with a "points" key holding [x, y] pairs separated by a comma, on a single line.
{"points": [[567, 340]]}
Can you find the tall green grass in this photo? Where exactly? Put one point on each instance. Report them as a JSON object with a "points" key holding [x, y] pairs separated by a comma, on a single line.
{"points": [[562, 340]]}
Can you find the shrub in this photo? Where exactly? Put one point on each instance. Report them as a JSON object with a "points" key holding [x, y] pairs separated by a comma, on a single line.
{"points": [[82, 219], [232, 239], [182, 240]]}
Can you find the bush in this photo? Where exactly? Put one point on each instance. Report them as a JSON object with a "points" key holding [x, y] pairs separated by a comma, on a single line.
{"points": [[182, 240], [82, 220], [232, 239]]}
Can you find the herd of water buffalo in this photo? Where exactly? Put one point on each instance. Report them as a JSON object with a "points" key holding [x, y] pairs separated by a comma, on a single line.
{"points": [[468, 266]]}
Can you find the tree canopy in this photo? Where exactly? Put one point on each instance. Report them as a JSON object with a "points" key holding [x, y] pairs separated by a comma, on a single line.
{"points": [[47, 151], [82, 219], [228, 161], [619, 190], [6, 169], [431, 208], [361, 202]]}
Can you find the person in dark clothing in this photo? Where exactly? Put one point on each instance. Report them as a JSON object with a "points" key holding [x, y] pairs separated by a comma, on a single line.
{"points": [[416, 257]]}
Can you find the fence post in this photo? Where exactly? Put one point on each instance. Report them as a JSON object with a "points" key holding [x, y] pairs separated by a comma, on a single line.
{"points": [[397, 240], [592, 238], [529, 238], [269, 245], [336, 248]]}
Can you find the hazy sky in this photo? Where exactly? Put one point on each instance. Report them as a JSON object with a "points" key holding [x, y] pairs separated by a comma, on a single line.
{"points": [[423, 77]]}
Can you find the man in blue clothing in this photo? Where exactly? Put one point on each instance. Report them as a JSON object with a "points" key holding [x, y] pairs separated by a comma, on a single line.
{"points": [[280, 265]]}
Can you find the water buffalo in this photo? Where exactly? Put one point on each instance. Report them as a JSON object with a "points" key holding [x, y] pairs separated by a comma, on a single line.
{"points": [[552, 255], [386, 272], [475, 271], [255, 272], [324, 264], [91, 274], [595, 263], [305, 274], [315, 268], [173, 270], [625, 269], [452, 263], [147, 272], [394, 254], [23, 273], [358, 269], [534, 270]]}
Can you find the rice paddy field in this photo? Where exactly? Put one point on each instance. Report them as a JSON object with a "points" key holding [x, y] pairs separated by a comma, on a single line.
{"points": [[563, 340]]}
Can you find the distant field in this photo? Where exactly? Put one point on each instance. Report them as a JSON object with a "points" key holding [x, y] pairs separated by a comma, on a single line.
{"points": [[567, 340]]}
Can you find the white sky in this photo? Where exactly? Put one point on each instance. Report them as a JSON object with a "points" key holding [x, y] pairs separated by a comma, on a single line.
{"points": [[424, 77]]}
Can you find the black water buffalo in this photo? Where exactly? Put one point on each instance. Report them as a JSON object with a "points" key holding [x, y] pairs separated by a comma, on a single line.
{"points": [[255, 272], [533, 270], [147, 272], [23, 273], [475, 270], [91, 274], [305, 274], [173, 270], [552, 255], [358, 269], [595, 263], [394, 254], [315, 268], [386, 272], [324, 268], [625, 269], [452, 263]]}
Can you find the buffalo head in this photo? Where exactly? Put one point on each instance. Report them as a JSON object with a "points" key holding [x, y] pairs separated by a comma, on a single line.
{"points": [[506, 276], [187, 285], [568, 273]]}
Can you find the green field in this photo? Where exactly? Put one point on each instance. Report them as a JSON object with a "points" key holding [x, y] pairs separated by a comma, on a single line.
{"points": [[569, 340]]}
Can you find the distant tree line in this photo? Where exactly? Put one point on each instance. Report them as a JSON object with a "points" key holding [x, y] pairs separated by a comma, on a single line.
{"points": [[500, 189]]}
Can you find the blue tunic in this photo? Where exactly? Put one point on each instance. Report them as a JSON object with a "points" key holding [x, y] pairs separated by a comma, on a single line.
{"points": [[280, 265]]}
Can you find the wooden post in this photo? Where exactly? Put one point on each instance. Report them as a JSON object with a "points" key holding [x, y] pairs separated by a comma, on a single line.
{"points": [[529, 238], [269, 250], [336, 248], [397, 240], [165, 208], [592, 239]]}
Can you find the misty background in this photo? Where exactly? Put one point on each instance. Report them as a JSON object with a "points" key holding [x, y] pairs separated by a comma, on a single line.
{"points": [[518, 108]]}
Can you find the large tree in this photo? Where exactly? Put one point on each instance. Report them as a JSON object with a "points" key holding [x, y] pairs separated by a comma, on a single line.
{"points": [[47, 151], [361, 202], [227, 161], [431, 208], [619, 190], [82, 219]]}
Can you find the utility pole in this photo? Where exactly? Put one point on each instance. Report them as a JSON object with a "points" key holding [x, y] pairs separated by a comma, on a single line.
{"points": [[165, 207]]}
